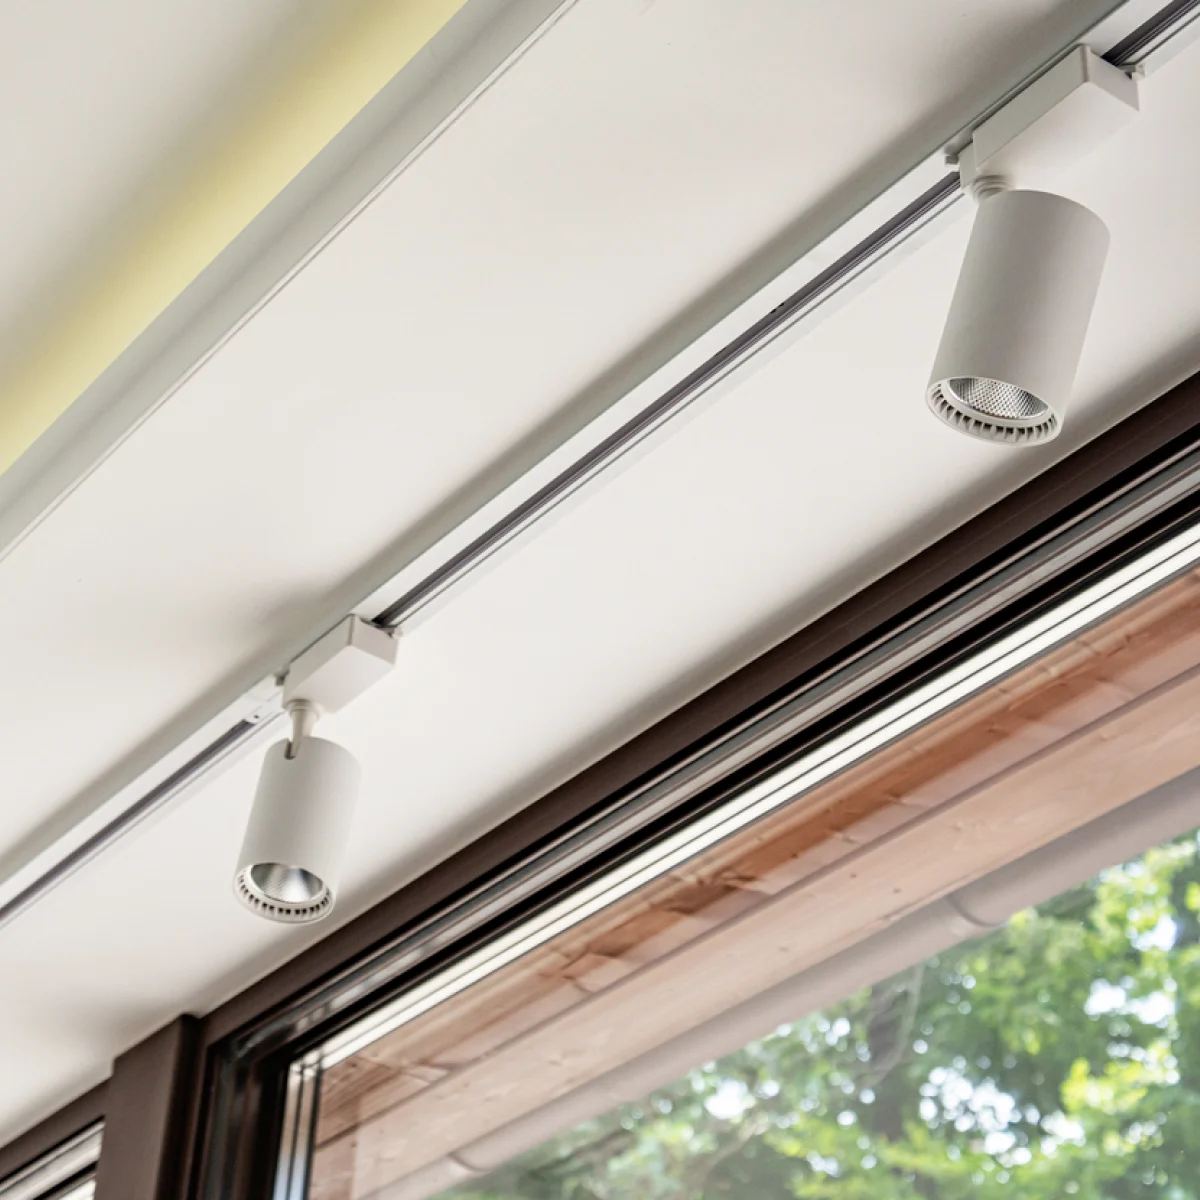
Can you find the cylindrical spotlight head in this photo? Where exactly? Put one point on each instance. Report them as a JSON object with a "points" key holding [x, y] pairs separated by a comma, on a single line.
{"points": [[1020, 312], [299, 826]]}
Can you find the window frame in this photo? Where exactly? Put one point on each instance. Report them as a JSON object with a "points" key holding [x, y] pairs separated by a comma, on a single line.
{"points": [[230, 1079]]}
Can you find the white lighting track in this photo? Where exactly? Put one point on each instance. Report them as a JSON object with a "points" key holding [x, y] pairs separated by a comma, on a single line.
{"points": [[1135, 36]]}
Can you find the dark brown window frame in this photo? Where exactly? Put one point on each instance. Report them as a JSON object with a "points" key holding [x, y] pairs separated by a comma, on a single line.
{"points": [[158, 1152]]}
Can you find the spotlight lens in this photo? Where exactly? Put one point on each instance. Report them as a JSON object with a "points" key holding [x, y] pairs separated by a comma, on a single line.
{"points": [[1001, 401], [286, 885]]}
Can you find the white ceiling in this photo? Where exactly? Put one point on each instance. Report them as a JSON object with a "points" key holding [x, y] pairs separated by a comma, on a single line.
{"points": [[636, 157]]}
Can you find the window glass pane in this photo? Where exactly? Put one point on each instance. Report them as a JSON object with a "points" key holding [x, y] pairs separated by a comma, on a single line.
{"points": [[66, 1173], [1055, 1057], [1065, 1004], [80, 1190]]}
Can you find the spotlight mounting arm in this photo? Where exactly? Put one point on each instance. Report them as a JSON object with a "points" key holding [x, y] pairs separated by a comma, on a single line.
{"points": [[304, 715]]}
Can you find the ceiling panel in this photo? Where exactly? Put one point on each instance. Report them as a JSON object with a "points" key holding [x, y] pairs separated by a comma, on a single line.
{"points": [[618, 174]]}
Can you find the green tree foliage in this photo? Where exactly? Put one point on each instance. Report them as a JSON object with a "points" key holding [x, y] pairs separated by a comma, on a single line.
{"points": [[1056, 1057]]}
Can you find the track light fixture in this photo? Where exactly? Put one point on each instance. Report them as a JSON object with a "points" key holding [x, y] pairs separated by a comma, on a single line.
{"points": [[1014, 336], [1016, 327], [296, 839], [299, 827]]}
